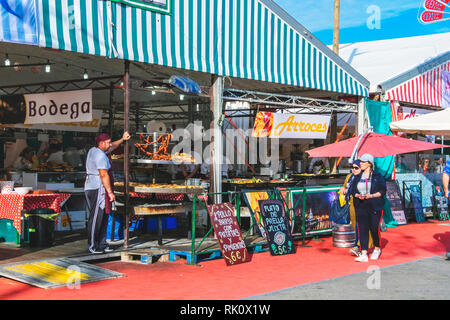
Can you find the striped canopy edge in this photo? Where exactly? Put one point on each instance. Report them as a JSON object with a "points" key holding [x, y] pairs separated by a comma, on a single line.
{"points": [[208, 36], [422, 85], [164, 8]]}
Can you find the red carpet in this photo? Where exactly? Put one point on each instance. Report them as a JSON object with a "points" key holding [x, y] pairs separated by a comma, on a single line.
{"points": [[214, 280]]}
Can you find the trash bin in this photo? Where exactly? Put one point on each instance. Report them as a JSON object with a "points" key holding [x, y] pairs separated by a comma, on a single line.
{"points": [[41, 227]]}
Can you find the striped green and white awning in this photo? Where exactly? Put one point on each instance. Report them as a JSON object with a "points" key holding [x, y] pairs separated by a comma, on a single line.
{"points": [[249, 39]]}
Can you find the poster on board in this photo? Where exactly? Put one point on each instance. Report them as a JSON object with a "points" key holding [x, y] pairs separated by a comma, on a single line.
{"points": [[395, 200]]}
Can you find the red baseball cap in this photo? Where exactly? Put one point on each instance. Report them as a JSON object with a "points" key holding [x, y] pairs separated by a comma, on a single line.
{"points": [[102, 137]]}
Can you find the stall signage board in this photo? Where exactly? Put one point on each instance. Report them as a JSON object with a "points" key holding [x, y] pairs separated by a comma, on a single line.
{"points": [[228, 233], [416, 199], [59, 107], [88, 126], [277, 227], [291, 126], [395, 200]]}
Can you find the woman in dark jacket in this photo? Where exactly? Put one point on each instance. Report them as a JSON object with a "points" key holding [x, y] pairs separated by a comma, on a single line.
{"points": [[368, 190]]}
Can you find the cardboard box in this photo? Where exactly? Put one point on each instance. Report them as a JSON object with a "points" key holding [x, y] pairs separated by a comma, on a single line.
{"points": [[78, 219]]}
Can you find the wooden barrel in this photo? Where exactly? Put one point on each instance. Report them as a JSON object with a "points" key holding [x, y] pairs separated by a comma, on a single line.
{"points": [[344, 236]]}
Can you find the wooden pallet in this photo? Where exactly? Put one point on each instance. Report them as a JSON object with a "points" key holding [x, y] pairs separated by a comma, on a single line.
{"points": [[145, 256], [194, 258]]}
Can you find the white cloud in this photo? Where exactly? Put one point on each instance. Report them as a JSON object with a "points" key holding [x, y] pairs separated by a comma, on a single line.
{"points": [[317, 15]]}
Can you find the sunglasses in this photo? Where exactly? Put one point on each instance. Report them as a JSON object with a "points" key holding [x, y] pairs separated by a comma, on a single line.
{"points": [[356, 168]]}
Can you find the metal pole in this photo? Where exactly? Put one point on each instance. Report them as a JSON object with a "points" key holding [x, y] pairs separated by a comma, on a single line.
{"points": [[126, 109], [216, 93], [111, 111]]}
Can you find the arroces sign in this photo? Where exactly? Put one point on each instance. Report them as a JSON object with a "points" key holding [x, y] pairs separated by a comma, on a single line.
{"points": [[281, 125], [161, 6], [59, 107]]}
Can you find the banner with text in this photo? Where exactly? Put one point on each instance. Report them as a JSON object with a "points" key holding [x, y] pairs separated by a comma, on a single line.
{"points": [[295, 126], [88, 126], [59, 107]]}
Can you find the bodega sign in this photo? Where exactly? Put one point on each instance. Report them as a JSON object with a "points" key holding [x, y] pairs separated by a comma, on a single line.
{"points": [[59, 107]]}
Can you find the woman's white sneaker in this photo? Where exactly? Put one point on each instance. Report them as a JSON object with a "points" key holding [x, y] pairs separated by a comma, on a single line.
{"points": [[362, 258], [375, 254]]}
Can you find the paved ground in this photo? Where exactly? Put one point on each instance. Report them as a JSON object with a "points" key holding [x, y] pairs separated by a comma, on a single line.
{"points": [[425, 279]]}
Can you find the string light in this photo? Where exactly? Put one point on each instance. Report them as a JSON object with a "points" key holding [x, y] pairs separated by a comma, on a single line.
{"points": [[181, 97], [153, 92], [47, 67], [7, 61], [85, 75]]}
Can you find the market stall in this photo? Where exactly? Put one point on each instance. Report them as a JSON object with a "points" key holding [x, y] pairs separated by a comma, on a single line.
{"points": [[413, 81], [304, 77]]}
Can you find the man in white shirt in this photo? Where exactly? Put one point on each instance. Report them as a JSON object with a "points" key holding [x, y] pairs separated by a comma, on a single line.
{"points": [[55, 154], [98, 190]]}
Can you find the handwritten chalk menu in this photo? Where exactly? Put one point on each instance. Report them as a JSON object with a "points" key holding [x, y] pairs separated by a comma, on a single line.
{"points": [[395, 200], [416, 198], [276, 225], [228, 233]]}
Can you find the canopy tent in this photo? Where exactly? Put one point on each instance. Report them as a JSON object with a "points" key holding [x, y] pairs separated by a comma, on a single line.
{"points": [[382, 60], [250, 45], [251, 39], [421, 85], [436, 123]]}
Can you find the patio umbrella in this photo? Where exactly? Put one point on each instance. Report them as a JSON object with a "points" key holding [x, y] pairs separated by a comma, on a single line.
{"points": [[378, 145]]}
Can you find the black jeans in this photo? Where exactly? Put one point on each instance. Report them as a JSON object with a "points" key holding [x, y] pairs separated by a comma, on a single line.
{"points": [[97, 223], [368, 221]]}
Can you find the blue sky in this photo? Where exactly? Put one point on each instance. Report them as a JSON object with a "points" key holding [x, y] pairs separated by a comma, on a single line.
{"points": [[398, 18]]}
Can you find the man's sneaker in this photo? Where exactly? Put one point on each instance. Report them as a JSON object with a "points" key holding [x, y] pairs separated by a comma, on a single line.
{"points": [[108, 249], [95, 251], [375, 254], [362, 258], [355, 251]]}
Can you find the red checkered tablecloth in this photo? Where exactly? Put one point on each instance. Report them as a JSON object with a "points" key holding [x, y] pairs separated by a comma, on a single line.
{"points": [[11, 205]]}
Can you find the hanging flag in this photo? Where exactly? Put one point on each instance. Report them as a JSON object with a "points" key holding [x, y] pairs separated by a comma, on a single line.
{"points": [[445, 89], [18, 21], [161, 6]]}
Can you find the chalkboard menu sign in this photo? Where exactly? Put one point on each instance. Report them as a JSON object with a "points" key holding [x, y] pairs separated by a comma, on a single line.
{"points": [[416, 198], [277, 229], [395, 200], [229, 236]]}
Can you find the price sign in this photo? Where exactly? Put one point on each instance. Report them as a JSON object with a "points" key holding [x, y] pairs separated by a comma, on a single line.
{"points": [[395, 200], [226, 227], [277, 227]]}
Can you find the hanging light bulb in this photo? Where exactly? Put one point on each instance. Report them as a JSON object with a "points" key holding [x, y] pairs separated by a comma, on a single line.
{"points": [[153, 92], [7, 61], [85, 75], [181, 96], [47, 66]]}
